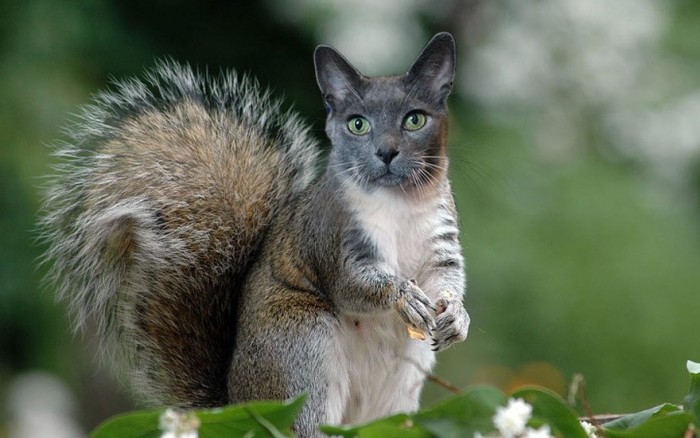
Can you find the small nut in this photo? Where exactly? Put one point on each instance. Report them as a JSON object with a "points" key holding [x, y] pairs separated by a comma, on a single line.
{"points": [[415, 333]]}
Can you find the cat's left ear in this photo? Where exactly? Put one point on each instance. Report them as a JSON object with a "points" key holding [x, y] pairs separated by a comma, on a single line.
{"points": [[435, 66]]}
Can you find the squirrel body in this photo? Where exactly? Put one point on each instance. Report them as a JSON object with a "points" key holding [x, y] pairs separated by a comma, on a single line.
{"points": [[189, 222]]}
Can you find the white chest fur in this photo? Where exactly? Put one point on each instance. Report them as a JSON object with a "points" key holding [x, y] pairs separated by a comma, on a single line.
{"points": [[400, 228], [377, 369]]}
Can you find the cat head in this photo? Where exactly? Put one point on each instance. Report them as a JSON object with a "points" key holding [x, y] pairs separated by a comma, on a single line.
{"points": [[388, 132]]}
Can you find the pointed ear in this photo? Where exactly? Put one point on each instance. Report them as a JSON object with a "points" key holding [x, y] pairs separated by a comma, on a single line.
{"points": [[336, 77], [435, 66]]}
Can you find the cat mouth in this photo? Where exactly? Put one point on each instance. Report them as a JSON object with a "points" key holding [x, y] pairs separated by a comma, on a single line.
{"points": [[406, 178], [390, 179]]}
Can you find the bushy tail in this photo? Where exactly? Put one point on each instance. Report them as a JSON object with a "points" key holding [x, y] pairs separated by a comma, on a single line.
{"points": [[162, 197]]}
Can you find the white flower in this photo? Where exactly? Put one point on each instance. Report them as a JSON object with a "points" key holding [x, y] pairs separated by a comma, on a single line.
{"points": [[168, 420], [542, 432], [512, 419], [179, 424], [589, 429]]}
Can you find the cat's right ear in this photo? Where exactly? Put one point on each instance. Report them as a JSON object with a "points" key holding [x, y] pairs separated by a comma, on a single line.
{"points": [[336, 77]]}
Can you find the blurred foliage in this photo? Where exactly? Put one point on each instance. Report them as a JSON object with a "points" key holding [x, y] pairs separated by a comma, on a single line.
{"points": [[584, 262], [479, 411], [266, 418]]}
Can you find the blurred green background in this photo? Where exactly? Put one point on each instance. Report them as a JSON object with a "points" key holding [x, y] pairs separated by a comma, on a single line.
{"points": [[575, 150]]}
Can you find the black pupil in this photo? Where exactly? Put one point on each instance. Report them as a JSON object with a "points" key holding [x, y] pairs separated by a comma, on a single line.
{"points": [[358, 124], [414, 119]]}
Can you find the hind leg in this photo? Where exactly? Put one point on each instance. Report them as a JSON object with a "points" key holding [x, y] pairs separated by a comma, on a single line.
{"points": [[283, 349]]}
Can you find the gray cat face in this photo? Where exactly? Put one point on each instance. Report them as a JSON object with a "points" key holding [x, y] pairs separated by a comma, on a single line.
{"points": [[389, 131]]}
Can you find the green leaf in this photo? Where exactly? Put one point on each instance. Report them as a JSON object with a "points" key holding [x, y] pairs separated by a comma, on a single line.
{"points": [[252, 419], [458, 416], [240, 419], [664, 421], [691, 403], [549, 408], [133, 425], [398, 426], [464, 414]]}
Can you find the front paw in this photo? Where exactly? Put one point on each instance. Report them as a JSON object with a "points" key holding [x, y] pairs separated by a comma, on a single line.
{"points": [[414, 307], [451, 323]]}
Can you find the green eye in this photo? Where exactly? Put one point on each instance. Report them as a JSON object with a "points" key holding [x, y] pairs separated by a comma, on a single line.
{"points": [[414, 121], [358, 125]]}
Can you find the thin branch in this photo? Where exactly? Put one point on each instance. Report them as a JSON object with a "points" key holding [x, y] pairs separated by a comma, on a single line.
{"points": [[433, 378]]}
